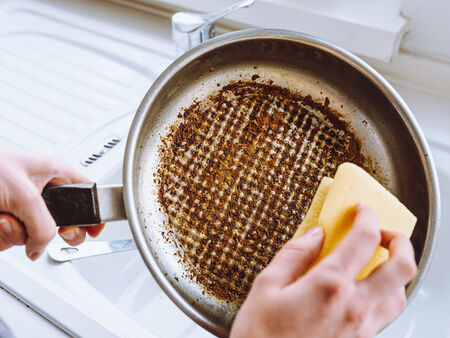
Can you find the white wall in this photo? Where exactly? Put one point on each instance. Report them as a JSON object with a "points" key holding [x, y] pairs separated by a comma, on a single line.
{"points": [[429, 27]]}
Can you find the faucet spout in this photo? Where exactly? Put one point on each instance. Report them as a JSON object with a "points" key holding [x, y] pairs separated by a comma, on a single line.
{"points": [[213, 17], [191, 29]]}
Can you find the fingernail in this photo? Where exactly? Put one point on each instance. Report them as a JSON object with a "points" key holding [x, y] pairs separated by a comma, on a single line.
{"points": [[35, 255], [314, 232], [68, 235], [6, 227]]}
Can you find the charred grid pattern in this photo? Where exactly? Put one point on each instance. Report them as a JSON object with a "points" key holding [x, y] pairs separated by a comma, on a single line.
{"points": [[237, 175]]}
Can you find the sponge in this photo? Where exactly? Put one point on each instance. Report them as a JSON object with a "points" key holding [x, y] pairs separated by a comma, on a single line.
{"points": [[332, 208], [312, 216]]}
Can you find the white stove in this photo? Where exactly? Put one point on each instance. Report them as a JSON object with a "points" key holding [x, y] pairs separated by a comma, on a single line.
{"points": [[72, 74]]}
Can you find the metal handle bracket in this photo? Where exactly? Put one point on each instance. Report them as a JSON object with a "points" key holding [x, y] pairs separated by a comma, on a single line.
{"points": [[61, 252]]}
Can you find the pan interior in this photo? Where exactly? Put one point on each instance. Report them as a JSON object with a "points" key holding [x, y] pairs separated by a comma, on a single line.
{"points": [[386, 141]]}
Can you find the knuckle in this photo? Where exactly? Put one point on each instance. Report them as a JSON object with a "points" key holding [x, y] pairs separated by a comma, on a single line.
{"points": [[59, 167], [21, 196], [52, 168], [264, 279], [370, 233], [407, 266], [49, 234], [50, 165], [48, 160], [44, 236], [366, 214], [333, 286], [370, 214], [27, 195], [356, 315]]}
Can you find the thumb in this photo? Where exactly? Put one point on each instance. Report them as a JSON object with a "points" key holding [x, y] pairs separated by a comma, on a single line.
{"points": [[296, 256]]}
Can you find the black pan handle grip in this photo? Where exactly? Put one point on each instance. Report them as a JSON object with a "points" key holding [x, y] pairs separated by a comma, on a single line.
{"points": [[75, 204]]}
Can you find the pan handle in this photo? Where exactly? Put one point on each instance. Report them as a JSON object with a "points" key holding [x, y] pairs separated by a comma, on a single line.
{"points": [[85, 203]]}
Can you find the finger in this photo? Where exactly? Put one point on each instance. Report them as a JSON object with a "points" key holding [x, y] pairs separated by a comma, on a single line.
{"points": [[396, 272], [64, 174], [4, 228], [51, 171], [295, 257], [94, 230], [12, 230], [72, 235], [30, 208], [384, 313], [359, 245], [4, 245]]}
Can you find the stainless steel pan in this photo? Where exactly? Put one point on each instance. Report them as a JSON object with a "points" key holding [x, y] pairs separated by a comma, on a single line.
{"points": [[388, 131]]}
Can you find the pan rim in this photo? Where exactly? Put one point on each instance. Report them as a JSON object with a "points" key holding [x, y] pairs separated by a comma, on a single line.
{"points": [[252, 34]]}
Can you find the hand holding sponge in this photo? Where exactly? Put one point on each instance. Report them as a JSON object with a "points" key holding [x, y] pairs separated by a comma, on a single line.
{"points": [[333, 204]]}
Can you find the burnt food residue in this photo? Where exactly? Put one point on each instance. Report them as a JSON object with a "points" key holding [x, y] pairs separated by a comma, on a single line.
{"points": [[237, 174]]}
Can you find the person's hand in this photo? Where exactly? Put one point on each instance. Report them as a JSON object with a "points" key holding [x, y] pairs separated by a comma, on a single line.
{"points": [[24, 217], [327, 301]]}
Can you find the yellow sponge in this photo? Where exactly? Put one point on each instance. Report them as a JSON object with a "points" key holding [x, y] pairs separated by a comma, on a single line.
{"points": [[332, 208], [312, 216]]}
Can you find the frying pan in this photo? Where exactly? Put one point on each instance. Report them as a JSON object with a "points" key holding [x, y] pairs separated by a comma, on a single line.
{"points": [[389, 134]]}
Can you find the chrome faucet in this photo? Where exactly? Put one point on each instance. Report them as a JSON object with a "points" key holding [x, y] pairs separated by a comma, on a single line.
{"points": [[191, 29]]}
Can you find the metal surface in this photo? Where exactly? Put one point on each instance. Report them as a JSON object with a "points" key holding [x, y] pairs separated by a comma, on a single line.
{"points": [[391, 141], [191, 29], [110, 203], [62, 252]]}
